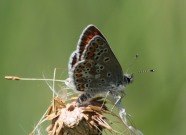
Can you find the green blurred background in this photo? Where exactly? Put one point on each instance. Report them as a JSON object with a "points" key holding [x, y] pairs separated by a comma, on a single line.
{"points": [[38, 36]]}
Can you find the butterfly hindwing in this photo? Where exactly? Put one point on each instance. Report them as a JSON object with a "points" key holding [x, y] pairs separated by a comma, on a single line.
{"points": [[94, 72]]}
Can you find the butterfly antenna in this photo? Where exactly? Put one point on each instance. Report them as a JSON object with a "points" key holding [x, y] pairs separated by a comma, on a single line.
{"points": [[146, 71], [132, 62]]}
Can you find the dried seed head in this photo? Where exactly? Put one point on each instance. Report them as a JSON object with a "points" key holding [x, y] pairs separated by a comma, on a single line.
{"points": [[77, 120]]}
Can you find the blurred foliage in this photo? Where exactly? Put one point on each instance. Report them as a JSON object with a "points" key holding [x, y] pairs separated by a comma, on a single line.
{"points": [[38, 36]]}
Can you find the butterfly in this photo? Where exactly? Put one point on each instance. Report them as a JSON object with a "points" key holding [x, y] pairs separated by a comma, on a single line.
{"points": [[94, 70]]}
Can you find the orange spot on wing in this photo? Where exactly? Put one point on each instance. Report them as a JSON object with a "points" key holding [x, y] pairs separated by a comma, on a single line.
{"points": [[91, 55], [78, 75], [95, 33], [81, 87]]}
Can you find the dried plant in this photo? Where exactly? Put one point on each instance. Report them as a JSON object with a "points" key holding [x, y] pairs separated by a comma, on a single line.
{"points": [[92, 117]]}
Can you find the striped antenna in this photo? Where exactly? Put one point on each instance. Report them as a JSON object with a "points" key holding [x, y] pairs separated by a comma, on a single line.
{"points": [[145, 71]]}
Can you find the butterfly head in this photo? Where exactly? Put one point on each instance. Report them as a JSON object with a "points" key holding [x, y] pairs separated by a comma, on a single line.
{"points": [[128, 78]]}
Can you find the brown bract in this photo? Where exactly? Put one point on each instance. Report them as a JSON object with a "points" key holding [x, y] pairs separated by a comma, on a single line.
{"points": [[73, 119]]}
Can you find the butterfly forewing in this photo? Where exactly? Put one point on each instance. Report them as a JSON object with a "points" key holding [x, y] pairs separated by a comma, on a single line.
{"points": [[85, 38], [88, 33]]}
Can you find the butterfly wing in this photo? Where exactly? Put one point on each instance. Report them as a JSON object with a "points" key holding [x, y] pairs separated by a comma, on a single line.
{"points": [[88, 33], [98, 70]]}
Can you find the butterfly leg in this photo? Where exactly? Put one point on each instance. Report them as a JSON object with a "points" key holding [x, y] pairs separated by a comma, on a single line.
{"points": [[122, 112], [117, 100], [127, 120]]}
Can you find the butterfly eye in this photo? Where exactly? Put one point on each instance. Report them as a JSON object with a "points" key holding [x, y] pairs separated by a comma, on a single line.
{"points": [[128, 79]]}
